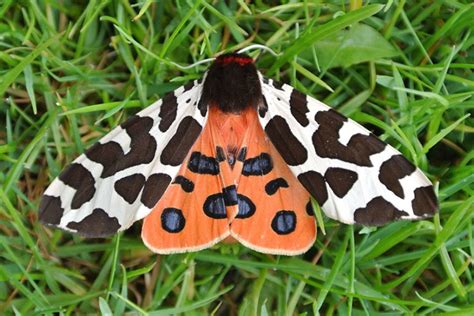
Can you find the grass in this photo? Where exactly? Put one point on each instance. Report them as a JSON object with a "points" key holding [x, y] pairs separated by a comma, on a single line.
{"points": [[70, 72]]}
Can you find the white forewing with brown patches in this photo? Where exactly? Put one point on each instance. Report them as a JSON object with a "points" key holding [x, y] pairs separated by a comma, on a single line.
{"points": [[355, 177], [121, 178]]}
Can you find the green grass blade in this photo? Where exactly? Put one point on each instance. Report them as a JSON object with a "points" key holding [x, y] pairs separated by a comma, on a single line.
{"points": [[324, 31]]}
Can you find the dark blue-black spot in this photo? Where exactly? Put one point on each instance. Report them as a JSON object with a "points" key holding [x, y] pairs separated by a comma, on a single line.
{"points": [[246, 207], [242, 154], [215, 207], [258, 166], [273, 186], [284, 222], [202, 164], [186, 184], [172, 220], [220, 155], [230, 195]]}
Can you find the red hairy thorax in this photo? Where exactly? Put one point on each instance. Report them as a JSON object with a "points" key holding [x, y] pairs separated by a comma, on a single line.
{"points": [[228, 59]]}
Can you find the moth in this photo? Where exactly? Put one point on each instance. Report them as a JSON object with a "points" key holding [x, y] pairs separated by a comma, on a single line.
{"points": [[235, 156]]}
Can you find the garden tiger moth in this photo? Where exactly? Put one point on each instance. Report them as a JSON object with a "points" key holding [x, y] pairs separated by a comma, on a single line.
{"points": [[235, 155]]}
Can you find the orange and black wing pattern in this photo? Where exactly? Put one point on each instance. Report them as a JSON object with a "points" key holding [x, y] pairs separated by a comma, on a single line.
{"points": [[191, 215], [234, 183]]}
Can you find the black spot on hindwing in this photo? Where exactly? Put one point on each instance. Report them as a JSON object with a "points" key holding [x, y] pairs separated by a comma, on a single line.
{"points": [[50, 210], [289, 147], [299, 107], [186, 184], [326, 141], [284, 222], [340, 180], [155, 186], [315, 184], [142, 148], [246, 207], [230, 195], [97, 224], [214, 206], [79, 178], [202, 164], [425, 202], [172, 220], [377, 212], [179, 145], [394, 169], [129, 187], [273, 186], [258, 166]]}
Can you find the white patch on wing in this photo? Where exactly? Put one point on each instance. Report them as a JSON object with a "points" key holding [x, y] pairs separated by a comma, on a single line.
{"points": [[347, 131]]}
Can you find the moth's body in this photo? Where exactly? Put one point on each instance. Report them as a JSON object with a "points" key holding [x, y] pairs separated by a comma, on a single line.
{"points": [[235, 157]]}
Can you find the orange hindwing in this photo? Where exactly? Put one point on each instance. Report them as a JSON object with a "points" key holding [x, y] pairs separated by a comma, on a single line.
{"points": [[233, 182]]}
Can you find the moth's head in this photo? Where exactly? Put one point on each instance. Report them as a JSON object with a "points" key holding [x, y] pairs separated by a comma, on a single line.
{"points": [[232, 83]]}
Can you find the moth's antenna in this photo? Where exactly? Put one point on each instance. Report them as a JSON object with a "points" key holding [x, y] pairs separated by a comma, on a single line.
{"points": [[193, 65], [243, 50], [258, 46]]}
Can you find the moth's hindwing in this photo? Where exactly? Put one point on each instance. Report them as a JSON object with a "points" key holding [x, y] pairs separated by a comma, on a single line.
{"points": [[191, 215], [274, 210], [121, 178], [354, 176]]}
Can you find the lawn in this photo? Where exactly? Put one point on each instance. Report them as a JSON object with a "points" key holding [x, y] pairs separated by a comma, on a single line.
{"points": [[71, 71]]}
